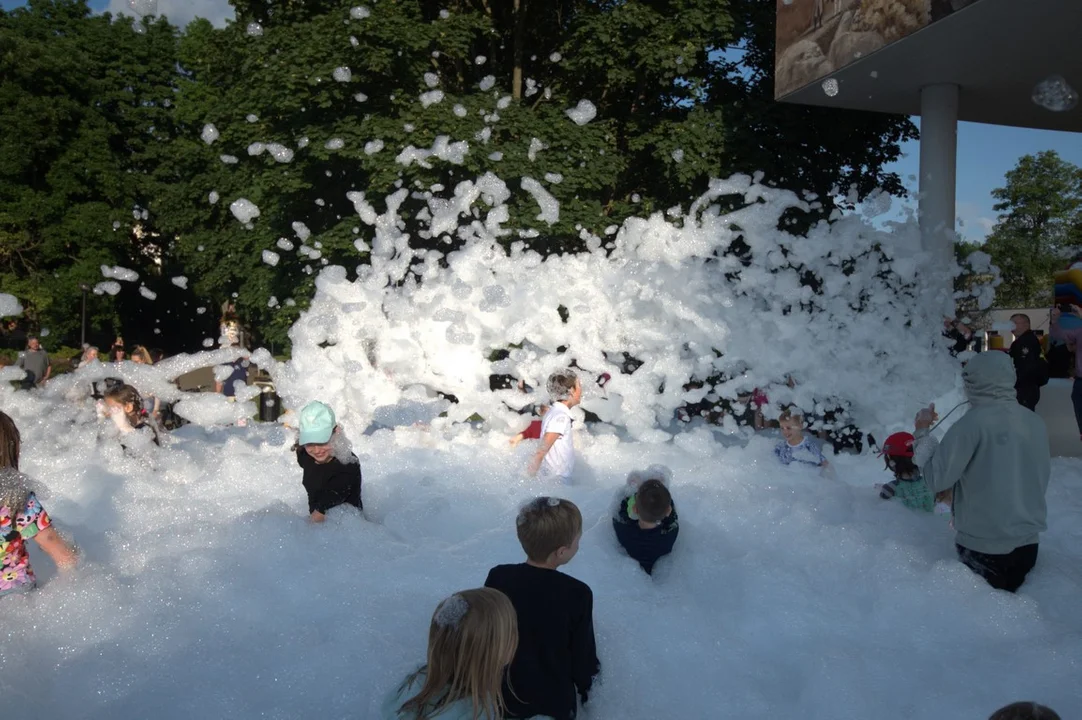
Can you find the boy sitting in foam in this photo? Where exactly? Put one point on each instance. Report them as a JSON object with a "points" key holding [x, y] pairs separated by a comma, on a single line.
{"points": [[555, 458], [795, 447], [645, 521]]}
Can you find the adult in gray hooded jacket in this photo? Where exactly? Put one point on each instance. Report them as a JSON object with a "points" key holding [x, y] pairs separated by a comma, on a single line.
{"points": [[996, 459]]}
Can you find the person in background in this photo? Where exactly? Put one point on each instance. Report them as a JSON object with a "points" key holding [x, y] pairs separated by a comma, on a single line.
{"points": [[90, 355], [959, 334], [23, 518], [34, 361], [141, 356], [1024, 711], [1030, 367], [997, 461], [1071, 337], [471, 640], [117, 352]]}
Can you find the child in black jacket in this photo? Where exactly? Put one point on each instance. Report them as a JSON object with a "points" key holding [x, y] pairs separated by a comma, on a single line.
{"points": [[645, 521], [332, 473]]}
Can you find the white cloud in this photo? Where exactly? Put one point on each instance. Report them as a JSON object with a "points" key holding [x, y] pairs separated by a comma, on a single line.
{"points": [[973, 224], [182, 12]]}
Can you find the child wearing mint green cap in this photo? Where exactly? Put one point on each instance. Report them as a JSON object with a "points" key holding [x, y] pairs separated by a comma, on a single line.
{"points": [[332, 473]]}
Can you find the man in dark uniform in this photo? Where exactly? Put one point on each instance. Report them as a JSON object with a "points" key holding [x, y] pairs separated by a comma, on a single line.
{"points": [[1030, 366]]}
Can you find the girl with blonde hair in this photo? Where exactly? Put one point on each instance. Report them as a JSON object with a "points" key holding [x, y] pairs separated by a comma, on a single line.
{"points": [[23, 518], [471, 641]]}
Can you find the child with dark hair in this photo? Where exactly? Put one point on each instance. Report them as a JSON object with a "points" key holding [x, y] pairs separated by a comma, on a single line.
{"points": [[908, 485], [645, 521], [124, 405], [22, 518], [1025, 711]]}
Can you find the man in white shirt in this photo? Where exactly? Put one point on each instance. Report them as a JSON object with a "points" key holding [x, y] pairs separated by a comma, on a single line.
{"points": [[555, 457]]}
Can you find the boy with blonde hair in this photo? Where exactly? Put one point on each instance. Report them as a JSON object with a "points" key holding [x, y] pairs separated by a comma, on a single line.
{"points": [[557, 655], [555, 458], [795, 446]]}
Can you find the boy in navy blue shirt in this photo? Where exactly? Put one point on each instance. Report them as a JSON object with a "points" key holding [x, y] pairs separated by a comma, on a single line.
{"points": [[645, 520]]}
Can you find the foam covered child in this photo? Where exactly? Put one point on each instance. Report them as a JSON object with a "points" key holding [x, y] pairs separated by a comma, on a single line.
{"points": [[124, 406], [332, 473], [645, 520], [795, 446], [556, 658], [555, 457], [471, 640], [23, 518]]}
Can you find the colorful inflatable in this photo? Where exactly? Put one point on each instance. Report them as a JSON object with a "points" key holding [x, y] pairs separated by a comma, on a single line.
{"points": [[1068, 291]]}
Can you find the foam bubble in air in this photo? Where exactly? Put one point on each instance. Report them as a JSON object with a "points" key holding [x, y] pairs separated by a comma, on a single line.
{"points": [[1055, 94], [244, 210], [10, 305], [582, 113], [209, 134]]}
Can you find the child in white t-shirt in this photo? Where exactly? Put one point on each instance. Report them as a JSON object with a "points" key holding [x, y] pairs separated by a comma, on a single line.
{"points": [[555, 458]]}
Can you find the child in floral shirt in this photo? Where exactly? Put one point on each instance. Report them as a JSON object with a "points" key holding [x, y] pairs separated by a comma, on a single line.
{"points": [[22, 518]]}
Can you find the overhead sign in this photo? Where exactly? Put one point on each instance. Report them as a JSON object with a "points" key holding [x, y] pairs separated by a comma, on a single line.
{"points": [[818, 37]]}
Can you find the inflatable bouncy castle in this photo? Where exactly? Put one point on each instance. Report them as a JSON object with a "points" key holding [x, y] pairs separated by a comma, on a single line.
{"points": [[1068, 291], [1069, 287]]}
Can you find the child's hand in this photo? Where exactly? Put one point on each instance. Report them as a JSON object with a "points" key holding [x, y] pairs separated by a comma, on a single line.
{"points": [[535, 464], [926, 417], [515, 440], [317, 516]]}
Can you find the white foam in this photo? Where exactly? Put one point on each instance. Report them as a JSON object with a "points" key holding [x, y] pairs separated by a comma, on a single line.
{"points": [[582, 113], [10, 305], [244, 210]]}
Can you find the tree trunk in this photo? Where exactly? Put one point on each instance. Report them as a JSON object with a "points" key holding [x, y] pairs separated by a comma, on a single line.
{"points": [[520, 22]]}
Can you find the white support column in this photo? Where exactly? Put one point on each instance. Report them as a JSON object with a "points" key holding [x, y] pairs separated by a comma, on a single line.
{"points": [[938, 164]]}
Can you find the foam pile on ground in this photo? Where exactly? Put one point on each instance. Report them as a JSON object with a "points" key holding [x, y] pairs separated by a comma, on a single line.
{"points": [[707, 294], [205, 592]]}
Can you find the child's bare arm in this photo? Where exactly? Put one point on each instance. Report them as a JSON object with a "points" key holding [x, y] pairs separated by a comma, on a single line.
{"points": [[546, 444], [54, 546]]}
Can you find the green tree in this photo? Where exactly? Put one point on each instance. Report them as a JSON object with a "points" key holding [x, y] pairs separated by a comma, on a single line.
{"points": [[1039, 227], [86, 107], [803, 148]]}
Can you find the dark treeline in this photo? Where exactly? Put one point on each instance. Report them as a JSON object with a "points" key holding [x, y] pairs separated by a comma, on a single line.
{"points": [[102, 160]]}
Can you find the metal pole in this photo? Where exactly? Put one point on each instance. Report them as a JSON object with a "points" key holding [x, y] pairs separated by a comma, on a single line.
{"points": [[938, 165], [82, 340]]}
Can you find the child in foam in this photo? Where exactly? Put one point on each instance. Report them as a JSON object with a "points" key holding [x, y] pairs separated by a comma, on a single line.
{"points": [[645, 521], [555, 458], [557, 654], [124, 406], [332, 473], [908, 485], [23, 518], [795, 446], [471, 641]]}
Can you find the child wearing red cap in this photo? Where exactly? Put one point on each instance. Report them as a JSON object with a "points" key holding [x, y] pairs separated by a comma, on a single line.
{"points": [[908, 485]]}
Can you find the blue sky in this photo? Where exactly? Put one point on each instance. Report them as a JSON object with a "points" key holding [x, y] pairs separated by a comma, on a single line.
{"points": [[985, 152]]}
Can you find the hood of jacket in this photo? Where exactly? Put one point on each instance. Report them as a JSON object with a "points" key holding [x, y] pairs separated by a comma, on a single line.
{"points": [[989, 378]]}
